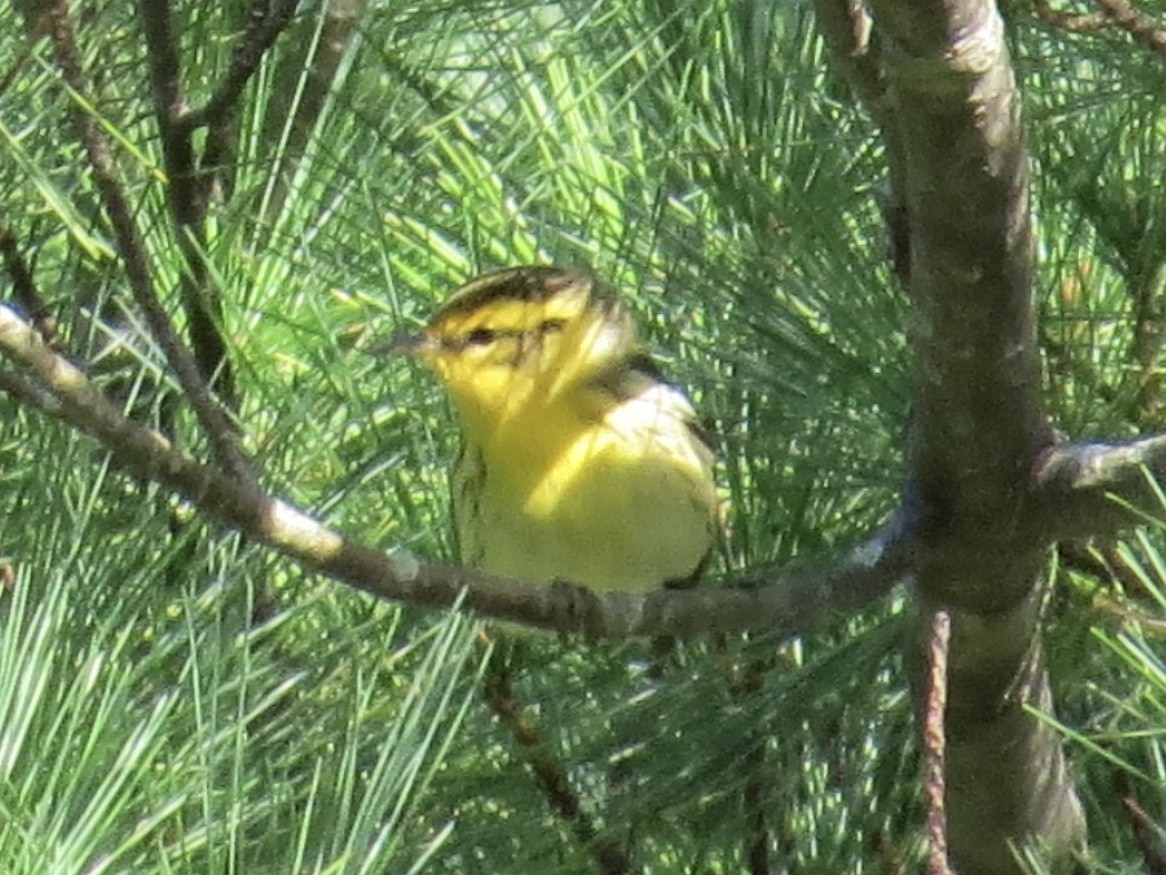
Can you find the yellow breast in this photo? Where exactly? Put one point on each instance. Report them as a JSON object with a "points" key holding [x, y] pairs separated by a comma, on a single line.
{"points": [[622, 501]]}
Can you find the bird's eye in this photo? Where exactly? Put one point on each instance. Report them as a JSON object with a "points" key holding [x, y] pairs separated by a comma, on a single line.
{"points": [[480, 337]]}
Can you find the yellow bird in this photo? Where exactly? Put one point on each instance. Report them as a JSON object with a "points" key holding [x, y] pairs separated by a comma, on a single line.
{"points": [[579, 462]]}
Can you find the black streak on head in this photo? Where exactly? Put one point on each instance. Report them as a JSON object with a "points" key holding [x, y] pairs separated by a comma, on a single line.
{"points": [[516, 284]]}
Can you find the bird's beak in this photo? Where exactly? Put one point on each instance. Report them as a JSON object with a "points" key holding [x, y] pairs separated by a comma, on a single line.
{"points": [[411, 343]]}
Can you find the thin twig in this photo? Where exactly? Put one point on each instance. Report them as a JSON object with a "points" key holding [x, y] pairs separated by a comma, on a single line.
{"points": [[1072, 22], [24, 287], [1147, 833], [1120, 14], [1093, 490], [755, 795], [847, 29], [187, 193], [845, 25], [935, 742], [1144, 29], [214, 422], [36, 27], [165, 63], [265, 22], [548, 772], [1103, 563], [218, 165]]}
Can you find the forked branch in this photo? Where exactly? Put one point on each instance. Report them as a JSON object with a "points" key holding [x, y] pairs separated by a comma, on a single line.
{"points": [[130, 248]]}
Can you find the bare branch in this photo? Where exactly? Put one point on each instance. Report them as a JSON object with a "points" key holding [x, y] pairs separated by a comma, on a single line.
{"points": [[935, 742], [303, 79], [24, 287], [964, 247], [549, 773], [187, 193], [265, 22], [786, 605], [1144, 29], [37, 24], [165, 65], [1120, 14], [1147, 833], [978, 421], [856, 48], [1073, 22], [214, 422], [756, 798], [1095, 489], [782, 604], [845, 25]]}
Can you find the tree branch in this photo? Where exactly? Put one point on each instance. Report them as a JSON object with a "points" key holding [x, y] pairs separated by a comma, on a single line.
{"points": [[787, 604], [935, 743], [214, 422], [303, 78], [187, 192], [549, 773], [856, 48], [266, 20], [1095, 489], [966, 257], [1073, 22], [24, 288], [1140, 26], [29, 393], [978, 422], [845, 25]]}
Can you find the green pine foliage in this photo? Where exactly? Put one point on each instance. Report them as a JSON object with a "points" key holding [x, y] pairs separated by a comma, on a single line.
{"points": [[704, 158]]}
